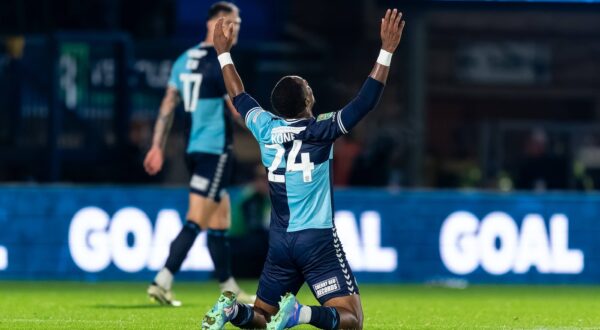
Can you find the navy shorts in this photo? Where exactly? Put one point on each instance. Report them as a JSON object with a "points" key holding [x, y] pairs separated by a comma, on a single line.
{"points": [[211, 173], [312, 255]]}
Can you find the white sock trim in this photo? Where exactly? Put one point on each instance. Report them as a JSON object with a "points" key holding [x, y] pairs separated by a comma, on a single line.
{"points": [[305, 314], [230, 285], [164, 279]]}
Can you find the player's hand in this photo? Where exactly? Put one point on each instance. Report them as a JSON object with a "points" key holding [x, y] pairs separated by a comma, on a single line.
{"points": [[154, 160], [222, 36], [391, 30]]}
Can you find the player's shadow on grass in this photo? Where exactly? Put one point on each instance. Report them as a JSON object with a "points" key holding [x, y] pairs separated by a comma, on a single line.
{"points": [[125, 306]]}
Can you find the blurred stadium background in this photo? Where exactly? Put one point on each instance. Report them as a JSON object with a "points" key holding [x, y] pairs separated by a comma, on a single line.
{"points": [[480, 165]]}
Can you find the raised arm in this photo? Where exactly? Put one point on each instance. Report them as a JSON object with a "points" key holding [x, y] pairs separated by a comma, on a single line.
{"points": [[368, 97], [222, 42], [243, 103], [391, 33]]}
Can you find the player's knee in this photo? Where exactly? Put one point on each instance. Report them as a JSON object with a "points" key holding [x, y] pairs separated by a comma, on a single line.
{"points": [[198, 216], [219, 221], [358, 313], [353, 320], [350, 312], [359, 320]]}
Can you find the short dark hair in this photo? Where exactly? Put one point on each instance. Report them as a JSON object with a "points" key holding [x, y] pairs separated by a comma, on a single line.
{"points": [[288, 97], [220, 7]]}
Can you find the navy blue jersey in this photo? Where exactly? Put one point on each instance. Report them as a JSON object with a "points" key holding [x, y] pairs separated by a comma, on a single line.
{"points": [[298, 156], [197, 76]]}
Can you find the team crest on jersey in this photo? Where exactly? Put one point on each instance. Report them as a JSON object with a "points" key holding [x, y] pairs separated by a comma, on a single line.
{"points": [[283, 134], [325, 116]]}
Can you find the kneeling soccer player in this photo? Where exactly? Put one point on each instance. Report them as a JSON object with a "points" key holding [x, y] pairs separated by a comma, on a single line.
{"points": [[296, 149]]}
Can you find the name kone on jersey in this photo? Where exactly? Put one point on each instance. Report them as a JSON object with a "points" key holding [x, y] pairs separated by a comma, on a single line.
{"points": [[283, 134]]}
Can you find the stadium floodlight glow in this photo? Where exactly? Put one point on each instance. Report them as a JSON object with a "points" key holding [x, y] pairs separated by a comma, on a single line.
{"points": [[497, 245], [3, 258]]}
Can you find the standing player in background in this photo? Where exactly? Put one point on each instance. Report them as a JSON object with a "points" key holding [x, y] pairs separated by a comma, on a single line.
{"points": [[297, 149], [197, 81]]}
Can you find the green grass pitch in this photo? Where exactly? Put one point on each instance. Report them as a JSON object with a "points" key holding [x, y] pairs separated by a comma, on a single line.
{"points": [[70, 305]]}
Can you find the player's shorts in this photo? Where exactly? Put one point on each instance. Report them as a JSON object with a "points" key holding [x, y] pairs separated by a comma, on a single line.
{"points": [[211, 173], [312, 255]]}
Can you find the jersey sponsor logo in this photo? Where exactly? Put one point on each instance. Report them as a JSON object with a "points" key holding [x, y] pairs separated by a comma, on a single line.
{"points": [[283, 134], [326, 287], [498, 245], [325, 116]]}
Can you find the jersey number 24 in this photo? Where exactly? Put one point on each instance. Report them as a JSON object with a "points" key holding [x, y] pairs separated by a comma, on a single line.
{"points": [[305, 166]]}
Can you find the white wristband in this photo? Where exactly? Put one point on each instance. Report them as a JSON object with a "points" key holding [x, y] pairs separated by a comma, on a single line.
{"points": [[225, 59], [385, 58]]}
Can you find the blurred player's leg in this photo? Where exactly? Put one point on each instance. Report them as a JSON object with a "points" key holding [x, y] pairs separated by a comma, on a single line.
{"points": [[199, 208], [220, 250]]}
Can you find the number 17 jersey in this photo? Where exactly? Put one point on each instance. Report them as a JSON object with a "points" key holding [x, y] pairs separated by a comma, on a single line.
{"points": [[197, 77], [298, 155]]}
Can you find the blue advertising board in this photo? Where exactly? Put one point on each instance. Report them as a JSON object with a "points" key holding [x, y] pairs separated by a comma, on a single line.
{"points": [[108, 233]]}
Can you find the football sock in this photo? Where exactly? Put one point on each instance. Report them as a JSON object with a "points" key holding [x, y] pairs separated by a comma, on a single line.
{"points": [[324, 317], [164, 279], [220, 252], [181, 245], [242, 315]]}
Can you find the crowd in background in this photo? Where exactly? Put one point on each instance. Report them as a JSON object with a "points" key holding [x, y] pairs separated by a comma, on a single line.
{"points": [[534, 132]]}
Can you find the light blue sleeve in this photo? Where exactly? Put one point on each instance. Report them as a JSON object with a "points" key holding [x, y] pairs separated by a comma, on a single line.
{"points": [[177, 68]]}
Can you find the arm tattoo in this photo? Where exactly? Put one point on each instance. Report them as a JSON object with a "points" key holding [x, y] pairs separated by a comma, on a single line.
{"points": [[164, 121], [162, 128]]}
